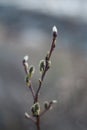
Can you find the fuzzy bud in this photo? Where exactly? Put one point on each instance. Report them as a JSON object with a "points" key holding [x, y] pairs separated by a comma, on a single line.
{"points": [[54, 30], [28, 82], [31, 71], [25, 63], [46, 104], [27, 115], [25, 58], [42, 65], [54, 101], [35, 109]]}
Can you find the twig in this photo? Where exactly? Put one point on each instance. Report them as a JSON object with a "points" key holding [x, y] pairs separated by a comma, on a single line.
{"points": [[47, 58], [46, 67], [28, 82], [38, 122], [32, 91]]}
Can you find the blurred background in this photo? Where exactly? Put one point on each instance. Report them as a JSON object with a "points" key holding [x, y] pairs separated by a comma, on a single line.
{"points": [[26, 29]]}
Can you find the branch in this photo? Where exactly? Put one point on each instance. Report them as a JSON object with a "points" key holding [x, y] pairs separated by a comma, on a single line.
{"points": [[47, 58], [32, 91]]}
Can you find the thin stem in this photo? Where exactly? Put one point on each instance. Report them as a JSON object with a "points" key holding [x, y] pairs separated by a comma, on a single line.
{"points": [[46, 67], [26, 68], [52, 47], [32, 91], [38, 122], [40, 83]]}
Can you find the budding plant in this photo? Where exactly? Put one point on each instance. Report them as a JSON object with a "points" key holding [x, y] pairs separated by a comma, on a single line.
{"points": [[44, 66]]}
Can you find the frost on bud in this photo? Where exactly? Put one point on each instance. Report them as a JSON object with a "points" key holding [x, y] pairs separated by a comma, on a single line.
{"points": [[36, 109], [42, 65], [25, 64], [46, 104], [54, 30], [25, 58], [31, 71]]}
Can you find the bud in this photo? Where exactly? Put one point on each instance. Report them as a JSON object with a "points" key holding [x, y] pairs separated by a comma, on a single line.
{"points": [[27, 115], [42, 65], [28, 82], [31, 71], [46, 104], [54, 30], [25, 64], [37, 106], [25, 58], [35, 109], [54, 101]]}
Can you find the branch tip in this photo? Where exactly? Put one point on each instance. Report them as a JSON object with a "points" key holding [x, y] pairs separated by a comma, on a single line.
{"points": [[54, 29]]}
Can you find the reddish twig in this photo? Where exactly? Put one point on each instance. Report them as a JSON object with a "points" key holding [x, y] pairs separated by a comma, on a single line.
{"points": [[32, 91], [38, 122], [46, 67], [47, 58]]}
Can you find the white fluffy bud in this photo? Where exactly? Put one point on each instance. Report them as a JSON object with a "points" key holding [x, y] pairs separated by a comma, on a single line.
{"points": [[27, 115], [54, 29], [26, 58]]}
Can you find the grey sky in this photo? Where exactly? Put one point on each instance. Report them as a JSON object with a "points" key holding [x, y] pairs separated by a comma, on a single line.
{"points": [[70, 8]]}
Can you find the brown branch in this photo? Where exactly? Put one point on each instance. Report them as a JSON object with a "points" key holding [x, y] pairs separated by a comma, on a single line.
{"points": [[46, 67], [32, 91], [42, 78], [38, 122]]}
